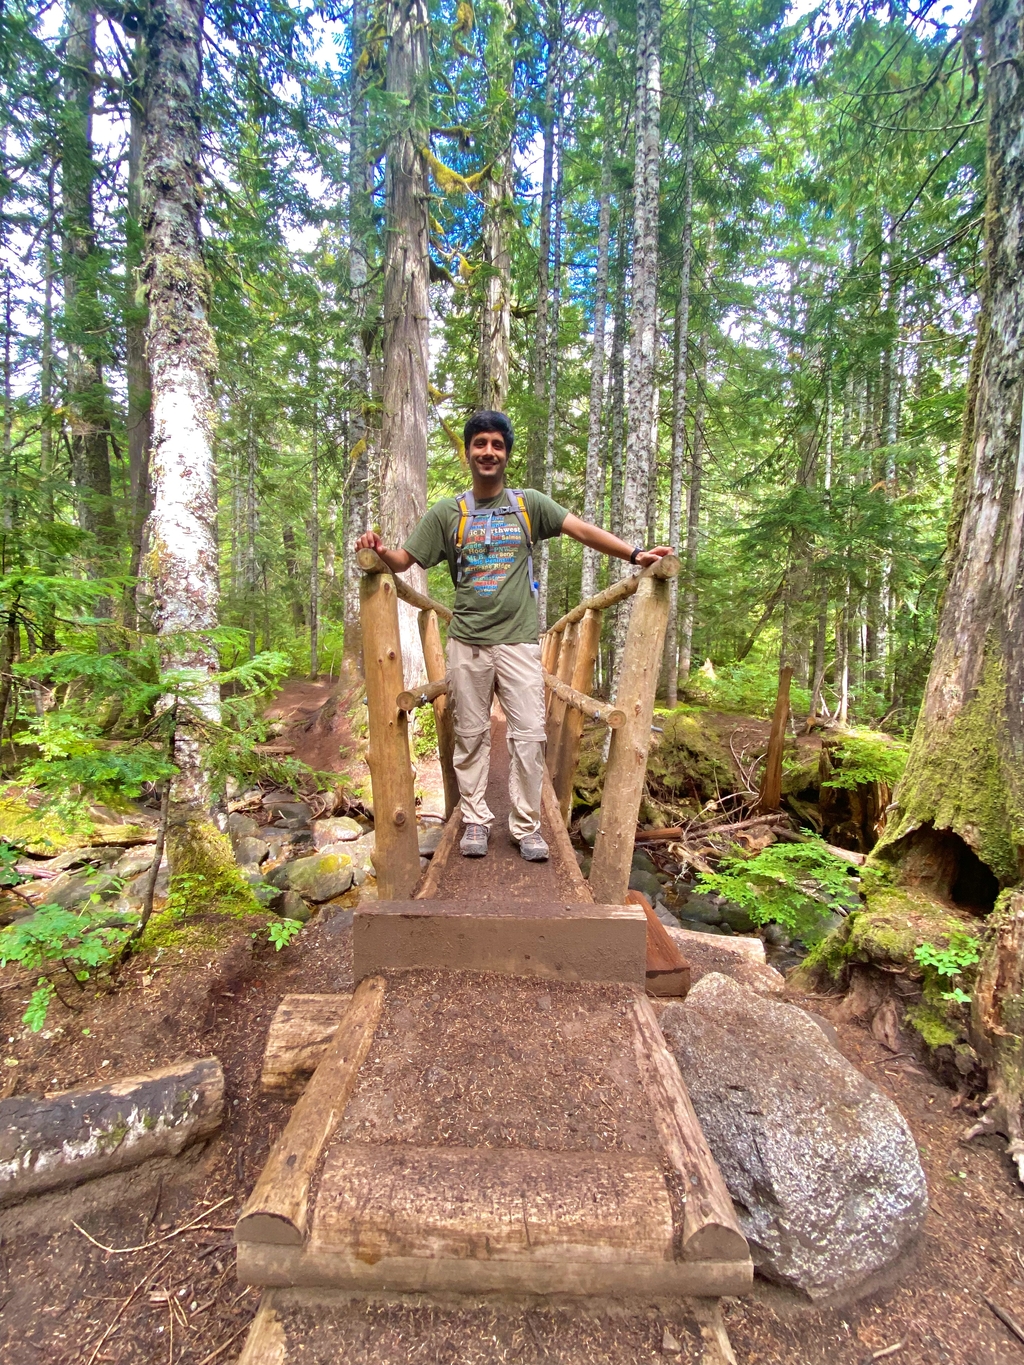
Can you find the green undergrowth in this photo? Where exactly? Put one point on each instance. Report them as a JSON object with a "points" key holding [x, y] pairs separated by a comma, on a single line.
{"points": [[687, 761], [863, 757], [205, 876], [749, 688], [47, 831], [168, 932], [794, 885], [888, 931]]}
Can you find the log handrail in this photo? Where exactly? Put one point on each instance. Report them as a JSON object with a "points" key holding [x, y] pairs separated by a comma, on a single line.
{"points": [[666, 567], [370, 562], [408, 701], [612, 716]]}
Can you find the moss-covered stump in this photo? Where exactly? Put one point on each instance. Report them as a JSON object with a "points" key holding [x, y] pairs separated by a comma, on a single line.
{"points": [[687, 765], [873, 957], [204, 874]]}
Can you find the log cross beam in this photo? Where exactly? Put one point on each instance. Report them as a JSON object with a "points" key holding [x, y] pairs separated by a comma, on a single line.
{"points": [[612, 716]]}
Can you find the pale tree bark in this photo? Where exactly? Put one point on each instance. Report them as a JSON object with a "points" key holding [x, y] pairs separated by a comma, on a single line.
{"points": [[617, 381], [821, 628], [403, 453], [688, 612], [183, 358], [553, 359], [362, 456], [136, 365], [314, 549], [592, 487], [496, 305], [679, 373], [644, 304], [540, 359], [84, 322]]}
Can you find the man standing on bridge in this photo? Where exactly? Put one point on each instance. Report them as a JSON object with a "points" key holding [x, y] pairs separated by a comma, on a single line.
{"points": [[487, 535]]}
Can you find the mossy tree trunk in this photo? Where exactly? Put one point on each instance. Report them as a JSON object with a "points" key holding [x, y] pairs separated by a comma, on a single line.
{"points": [[403, 449], [997, 1028], [182, 554], [965, 774]]}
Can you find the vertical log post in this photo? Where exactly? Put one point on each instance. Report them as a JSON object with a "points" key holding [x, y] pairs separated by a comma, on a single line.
{"points": [[556, 709], [627, 756], [433, 657], [397, 855], [566, 755], [549, 656], [771, 784]]}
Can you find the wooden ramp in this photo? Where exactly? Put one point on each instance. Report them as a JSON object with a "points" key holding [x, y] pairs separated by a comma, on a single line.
{"points": [[494, 1110], [472, 1133]]}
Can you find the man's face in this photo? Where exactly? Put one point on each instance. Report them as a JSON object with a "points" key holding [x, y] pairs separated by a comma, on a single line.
{"points": [[487, 454]]}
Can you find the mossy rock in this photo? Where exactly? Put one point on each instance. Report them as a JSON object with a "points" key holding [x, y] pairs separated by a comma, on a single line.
{"points": [[888, 931], [202, 933], [43, 831], [802, 778], [687, 760]]}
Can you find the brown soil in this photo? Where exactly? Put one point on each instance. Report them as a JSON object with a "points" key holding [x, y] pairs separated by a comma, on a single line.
{"points": [[461, 1060], [317, 725], [65, 1301]]}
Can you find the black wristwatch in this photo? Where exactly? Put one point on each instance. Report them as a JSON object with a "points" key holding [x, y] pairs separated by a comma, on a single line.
{"points": [[638, 550]]}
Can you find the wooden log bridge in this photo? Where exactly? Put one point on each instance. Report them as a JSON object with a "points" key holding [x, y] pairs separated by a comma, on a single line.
{"points": [[447, 1135]]}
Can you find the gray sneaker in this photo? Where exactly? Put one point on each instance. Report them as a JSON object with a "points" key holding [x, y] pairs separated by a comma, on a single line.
{"points": [[474, 841], [533, 848]]}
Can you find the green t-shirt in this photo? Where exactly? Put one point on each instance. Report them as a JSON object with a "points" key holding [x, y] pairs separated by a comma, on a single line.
{"points": [[494, 604]]}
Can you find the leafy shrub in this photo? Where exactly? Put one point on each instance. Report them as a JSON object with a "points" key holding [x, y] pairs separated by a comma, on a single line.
{"points": [[81, 941], [864, 757], [282, 931], [794, 885], [424, 737], [944, 965]]}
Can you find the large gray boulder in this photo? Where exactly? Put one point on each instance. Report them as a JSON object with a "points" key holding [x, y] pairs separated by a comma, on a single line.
{"points": [[821, 1164]]}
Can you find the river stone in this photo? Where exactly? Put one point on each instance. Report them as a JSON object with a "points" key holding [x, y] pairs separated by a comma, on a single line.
{"points": [[292, 906], [736, 918], [360, 853], [293, 815], [429, 838], [643, 862], [822, 1165], [241, 826], [317, 878], [133, 862], [251, 851], [646, 883], [73, 890], [706, 909], [76, 857], [339, 829], [589, 826]]}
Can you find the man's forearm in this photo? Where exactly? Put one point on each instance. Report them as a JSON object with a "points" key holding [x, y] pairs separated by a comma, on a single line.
{"points": [[596, 537]]}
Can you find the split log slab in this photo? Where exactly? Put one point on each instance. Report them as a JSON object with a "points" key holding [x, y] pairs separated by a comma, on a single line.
{"points": [[278, 1207], [55, 1141], [668, 972], [300, 1034], [710, 1229]]}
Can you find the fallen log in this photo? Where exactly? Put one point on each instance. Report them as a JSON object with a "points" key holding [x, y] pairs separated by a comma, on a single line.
{"points": [[664, 836], [300, 1034], [51, 1142]]}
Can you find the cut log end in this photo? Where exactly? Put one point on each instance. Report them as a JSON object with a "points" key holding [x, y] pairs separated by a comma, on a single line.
{"points": [[263, 1226], [714, 1242]]}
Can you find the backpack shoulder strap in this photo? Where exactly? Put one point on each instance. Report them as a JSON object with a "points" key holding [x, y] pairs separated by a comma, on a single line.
{"points": [[517, 501], [467, 506]]}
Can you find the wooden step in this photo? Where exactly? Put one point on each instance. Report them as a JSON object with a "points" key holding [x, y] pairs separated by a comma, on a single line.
{"points": [[475, 1133], [554, 941]]}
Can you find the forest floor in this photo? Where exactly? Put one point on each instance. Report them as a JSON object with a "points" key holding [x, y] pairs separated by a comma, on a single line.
{"points": [[64, 1299], [164, 1287]]}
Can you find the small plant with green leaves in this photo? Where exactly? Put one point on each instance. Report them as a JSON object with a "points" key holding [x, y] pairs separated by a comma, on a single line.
{"points": [[864, 757], [55, 941], [9, 874], [944, 967], [280, 932], [795, 885], [424, 738]]}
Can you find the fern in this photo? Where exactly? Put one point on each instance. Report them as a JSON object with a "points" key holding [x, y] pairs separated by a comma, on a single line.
{"points": [[794, 885], [865, 757]]}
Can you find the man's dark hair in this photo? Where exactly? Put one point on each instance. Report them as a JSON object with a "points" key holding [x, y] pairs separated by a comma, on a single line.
{"points": [[489, 421]]}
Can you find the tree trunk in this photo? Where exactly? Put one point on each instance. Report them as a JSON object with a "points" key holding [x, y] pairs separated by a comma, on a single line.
{"points": [[356, 509], [136, 365], [291, 568], [997, 1029], [965, 775], [679, 377], [496, 305], [591, 492], [183, 359], [314, 554], [403, 454], [538, 432], [553, 354], [689, 574], [84, 320]]}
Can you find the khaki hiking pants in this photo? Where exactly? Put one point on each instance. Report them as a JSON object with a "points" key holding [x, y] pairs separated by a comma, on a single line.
{"points": [[472, 672]]}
